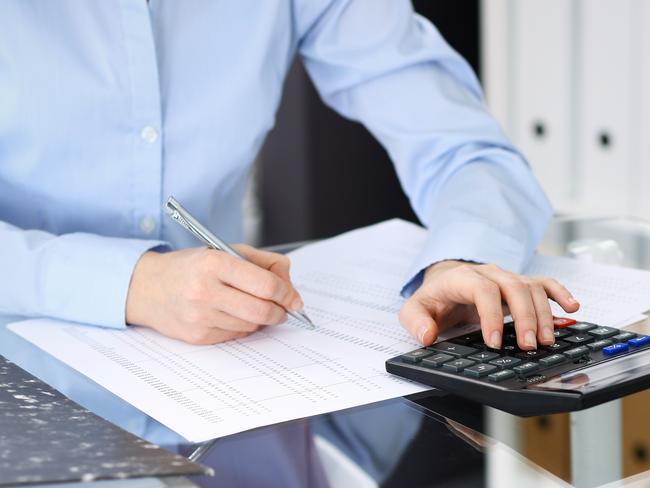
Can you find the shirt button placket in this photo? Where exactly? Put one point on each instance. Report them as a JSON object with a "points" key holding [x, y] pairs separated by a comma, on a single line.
{"points": [[147, 119]]}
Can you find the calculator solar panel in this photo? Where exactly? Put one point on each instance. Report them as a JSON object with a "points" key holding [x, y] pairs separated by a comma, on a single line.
{"points": [[587, 365]]}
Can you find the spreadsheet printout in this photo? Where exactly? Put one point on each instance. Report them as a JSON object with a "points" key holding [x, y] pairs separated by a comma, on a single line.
{"points": [[350, 286]]}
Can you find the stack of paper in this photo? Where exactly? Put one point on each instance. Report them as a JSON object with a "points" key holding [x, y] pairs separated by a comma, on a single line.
{"points": [[350, 285]]}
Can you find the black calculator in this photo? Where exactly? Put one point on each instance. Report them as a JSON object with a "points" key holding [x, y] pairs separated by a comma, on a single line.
{"points": [[587, 365]]}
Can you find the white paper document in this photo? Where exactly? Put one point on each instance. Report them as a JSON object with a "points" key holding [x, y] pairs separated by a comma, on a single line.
{"points": [[350, 286], [608, 295]]}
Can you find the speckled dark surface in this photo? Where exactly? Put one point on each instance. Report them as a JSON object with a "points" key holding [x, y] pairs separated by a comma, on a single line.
{"points": [[46, 437]]}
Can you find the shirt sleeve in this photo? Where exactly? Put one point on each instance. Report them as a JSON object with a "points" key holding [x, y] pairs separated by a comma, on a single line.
{"points": [[379, 63], [78, 277]]}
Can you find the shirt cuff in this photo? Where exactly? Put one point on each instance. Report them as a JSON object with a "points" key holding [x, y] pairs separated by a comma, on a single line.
{"points": [[467, 241], [88, 280]]}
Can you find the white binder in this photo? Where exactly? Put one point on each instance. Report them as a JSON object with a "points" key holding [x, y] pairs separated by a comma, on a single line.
{"points": [[608, 99], [542, 62], [641, 164]]}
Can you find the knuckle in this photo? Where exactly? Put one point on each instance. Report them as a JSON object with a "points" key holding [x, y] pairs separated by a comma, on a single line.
{"points": [[196, 291], [200, 336], [193, 316], [488, 287], [526, 318], [553, 283], [490, 267], [269, 288], [465, 268], [206, 258], [527, 280], [516, 285], [218, 262], [247, 327], [243, 248], [262, 313]]}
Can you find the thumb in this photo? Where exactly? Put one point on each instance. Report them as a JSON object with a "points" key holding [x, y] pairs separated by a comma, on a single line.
{"points": [[416, 318]]}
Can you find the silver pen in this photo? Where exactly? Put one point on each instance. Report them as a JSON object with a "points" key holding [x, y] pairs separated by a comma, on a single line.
{"points": [[177, 212]]}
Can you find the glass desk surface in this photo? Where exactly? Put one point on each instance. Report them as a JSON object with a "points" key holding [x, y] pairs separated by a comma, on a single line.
{"points": [[432, 439]]}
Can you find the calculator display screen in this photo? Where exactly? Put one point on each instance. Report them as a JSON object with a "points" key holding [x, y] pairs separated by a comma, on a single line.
{"points": [[599, 376]]}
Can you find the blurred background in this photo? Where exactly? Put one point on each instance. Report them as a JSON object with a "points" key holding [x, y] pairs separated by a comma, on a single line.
{"points": [[565, 78]]}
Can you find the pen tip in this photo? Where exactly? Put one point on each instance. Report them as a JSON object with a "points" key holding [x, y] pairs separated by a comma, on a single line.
{"points": [[306, 319]]}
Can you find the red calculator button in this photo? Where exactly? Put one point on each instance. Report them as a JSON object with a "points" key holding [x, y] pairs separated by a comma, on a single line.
{"points": [[562, 322]]}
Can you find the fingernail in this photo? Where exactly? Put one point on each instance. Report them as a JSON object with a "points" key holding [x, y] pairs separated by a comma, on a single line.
{"points": [[495, 339], [422, 332], [571, 300], [296, 304], [547, 334], [529, 339]]}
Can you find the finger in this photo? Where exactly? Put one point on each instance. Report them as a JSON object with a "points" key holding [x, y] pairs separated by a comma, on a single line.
{"points": [[274, 262], [249, 308], [416, 318], [209, 335], [469, 287], [559, 294], [257, 281], [543, 312], [520, 303], [488, 302], [226, 321]]}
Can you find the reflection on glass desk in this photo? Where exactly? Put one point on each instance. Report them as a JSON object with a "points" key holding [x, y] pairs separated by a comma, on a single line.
{"points": [[393, 443]]}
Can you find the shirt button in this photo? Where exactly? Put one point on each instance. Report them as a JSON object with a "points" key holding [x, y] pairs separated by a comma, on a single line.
{"points": [[147, 225], [149, 134]]}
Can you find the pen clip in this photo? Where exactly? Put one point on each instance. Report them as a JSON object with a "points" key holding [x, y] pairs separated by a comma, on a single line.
{"points": [[177, 212]]}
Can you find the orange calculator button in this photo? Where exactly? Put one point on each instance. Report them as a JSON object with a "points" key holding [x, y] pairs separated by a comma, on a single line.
{"points": [[562, 322]]}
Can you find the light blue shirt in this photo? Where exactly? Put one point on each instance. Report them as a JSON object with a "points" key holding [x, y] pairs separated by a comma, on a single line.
{"points": [[106, 108]]}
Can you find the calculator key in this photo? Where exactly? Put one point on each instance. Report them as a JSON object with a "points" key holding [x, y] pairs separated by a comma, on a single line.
{"points": [[457, 350], [562, 322], [504, 374], [416, 356], [468, 338], [577, 352], [624, 336], [436, 360], [510, 348], [582, 327], [579, 339], [509, 338], [603, 332], [552, 360], [457, 365], [525, 368], [598, 345], [533, 355], [484, 356], [560, 333], [639, 341], [505, 362], [557, 346], [615, 349], [480, 370]]}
